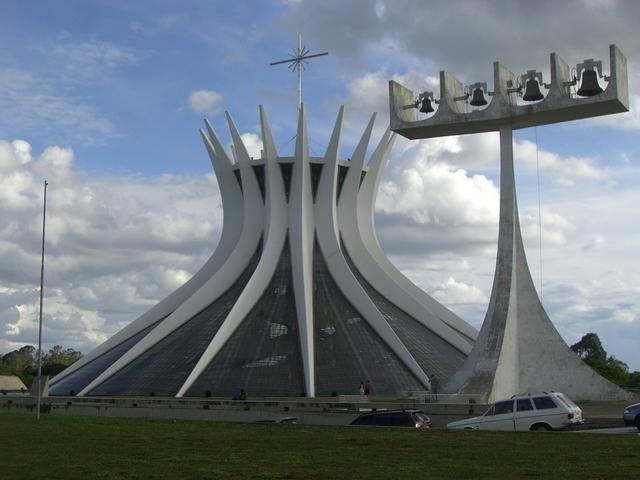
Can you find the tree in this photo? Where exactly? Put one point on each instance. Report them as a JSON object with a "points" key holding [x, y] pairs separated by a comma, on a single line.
{"points": [[634, 380], [4, 368], [57, 359], [590, 349], [23, 362], [61, 356], [614, 370]]}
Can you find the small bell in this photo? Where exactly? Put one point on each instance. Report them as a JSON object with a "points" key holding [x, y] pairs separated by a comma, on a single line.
{"points": [[425, 105], [589, 86], [477, 99], [532, 91]]}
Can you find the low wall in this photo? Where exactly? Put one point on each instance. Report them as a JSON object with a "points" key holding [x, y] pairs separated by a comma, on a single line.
{"points": [[312, 412]]}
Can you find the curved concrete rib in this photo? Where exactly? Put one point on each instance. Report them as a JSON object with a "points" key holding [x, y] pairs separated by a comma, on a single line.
{"points": [[362, 244], [222, 279], [301, 224], [275, 235], [366, 227], [328, 240], [231, 196]]}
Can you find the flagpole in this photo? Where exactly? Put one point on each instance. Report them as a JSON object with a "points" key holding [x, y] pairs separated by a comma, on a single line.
{"points": [[44, 215]]}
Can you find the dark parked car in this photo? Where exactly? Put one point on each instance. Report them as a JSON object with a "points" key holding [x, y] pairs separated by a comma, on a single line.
{"points": [[394, 418], [631, 415]]}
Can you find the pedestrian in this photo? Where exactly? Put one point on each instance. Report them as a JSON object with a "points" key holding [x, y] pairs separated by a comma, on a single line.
{"points": [[361, 388], [368, 387], [435, 385]]}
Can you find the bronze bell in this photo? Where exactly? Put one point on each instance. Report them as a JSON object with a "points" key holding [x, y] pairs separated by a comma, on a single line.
{"points": [[532, 91], [425, 105], [589, 86], [478, 100]]}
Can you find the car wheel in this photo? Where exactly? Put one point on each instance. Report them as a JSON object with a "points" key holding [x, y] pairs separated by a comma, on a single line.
{"points": [[540, 427], [637, 422]]}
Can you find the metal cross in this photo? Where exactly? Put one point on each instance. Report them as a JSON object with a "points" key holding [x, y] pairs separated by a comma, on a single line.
{"points": [[297, 62]]}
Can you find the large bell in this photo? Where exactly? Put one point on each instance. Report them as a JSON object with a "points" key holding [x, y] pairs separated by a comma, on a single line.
{"points": [[589, 86], [425, 105], [532, 91], [477, 99]]}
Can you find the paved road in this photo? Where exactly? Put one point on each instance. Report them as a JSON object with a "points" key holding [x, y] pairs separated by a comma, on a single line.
{"points": [[613, 431]]}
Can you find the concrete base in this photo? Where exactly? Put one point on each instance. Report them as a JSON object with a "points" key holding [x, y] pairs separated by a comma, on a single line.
{"points": [[43, 383]]}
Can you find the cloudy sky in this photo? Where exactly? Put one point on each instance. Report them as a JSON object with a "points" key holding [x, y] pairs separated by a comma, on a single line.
{"points": [[104, 99]]}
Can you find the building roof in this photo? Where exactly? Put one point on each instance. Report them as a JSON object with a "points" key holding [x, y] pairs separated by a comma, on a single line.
{"points": [[11, 382]]}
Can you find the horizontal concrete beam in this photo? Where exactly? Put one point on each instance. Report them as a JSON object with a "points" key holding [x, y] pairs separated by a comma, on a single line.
{"points": [[557, 106]]}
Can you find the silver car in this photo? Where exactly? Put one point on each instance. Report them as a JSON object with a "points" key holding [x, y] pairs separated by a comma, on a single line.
{"points": [[631, 415]]}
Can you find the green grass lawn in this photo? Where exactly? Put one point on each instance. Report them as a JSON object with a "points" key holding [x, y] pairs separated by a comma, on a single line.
{"points": [[66, 447]]}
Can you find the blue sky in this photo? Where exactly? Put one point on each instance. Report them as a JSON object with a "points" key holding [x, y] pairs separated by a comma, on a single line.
{"points": [[130, 68], [105, 99]]}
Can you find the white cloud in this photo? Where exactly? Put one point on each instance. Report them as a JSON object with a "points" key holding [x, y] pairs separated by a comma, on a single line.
{"points": [[207, 102], [596, 241], [369, 93], [453, 292], [440, 194], [474, 34], [31, 101], [555, 228], [426, 203], [115, 245], [14, 154], [625, 121], [85, 60], [565, 171], [253, 143]]}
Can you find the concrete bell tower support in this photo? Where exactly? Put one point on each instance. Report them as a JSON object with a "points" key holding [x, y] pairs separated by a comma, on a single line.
{"points": [[518, 348]]}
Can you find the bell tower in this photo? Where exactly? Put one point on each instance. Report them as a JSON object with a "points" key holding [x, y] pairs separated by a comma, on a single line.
{"points": [[518, 348]]}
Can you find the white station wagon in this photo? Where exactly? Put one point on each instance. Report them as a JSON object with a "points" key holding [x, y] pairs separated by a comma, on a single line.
{"points": [[530, 411]]}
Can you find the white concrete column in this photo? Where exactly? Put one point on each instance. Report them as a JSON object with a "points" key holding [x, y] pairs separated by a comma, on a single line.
{"points": [[518, 348], [362, 244], [221, 280], [328, 240], [366, 225], [301, 222], [231, 197], [275, 229]]}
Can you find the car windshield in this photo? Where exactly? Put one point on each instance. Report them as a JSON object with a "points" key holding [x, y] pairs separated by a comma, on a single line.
{"points": [[421, 416], [488, 412]]}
